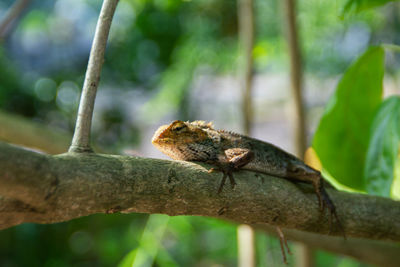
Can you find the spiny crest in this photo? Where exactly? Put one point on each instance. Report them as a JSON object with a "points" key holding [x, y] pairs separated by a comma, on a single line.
{"points": [[203, 124], [230, 133]]}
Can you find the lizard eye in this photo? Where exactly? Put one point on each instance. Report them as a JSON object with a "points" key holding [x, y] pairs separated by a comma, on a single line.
{"points": [[179, 128]]}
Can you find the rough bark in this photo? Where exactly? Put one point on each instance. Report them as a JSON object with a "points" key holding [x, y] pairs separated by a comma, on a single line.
{"points": [[48, 189], [40, 188]]}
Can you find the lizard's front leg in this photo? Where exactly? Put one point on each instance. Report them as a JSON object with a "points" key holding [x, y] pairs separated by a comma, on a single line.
{"points": [[227, 170], [232, 160]]}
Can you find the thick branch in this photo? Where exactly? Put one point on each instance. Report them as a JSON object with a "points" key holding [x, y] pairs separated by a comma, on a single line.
{"points": [[81, 139], [72, 185], [47, 189]]}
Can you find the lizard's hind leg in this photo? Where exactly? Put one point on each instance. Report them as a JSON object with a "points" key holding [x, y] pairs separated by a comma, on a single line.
{"points": [[332, 211], [323, 198]]}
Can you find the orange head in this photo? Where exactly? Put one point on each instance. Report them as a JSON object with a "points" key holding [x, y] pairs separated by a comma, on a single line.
{"points": [[175, 138]]}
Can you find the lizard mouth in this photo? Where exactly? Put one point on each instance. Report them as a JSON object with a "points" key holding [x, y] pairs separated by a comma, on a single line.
{"points": [[161, 141], [159, 138]]}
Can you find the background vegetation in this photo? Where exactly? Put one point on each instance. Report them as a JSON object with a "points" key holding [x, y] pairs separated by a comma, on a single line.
{"points": [[171, 59]]}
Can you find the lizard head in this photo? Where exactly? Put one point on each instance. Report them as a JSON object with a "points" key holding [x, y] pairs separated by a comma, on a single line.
{"points": [[175, 138]]}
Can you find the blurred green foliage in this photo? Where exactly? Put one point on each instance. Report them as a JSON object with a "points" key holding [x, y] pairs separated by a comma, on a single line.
{"points": [[158, 47], [22, 102], [106, 239], [359, 5], [383, 150], [100, 239]]}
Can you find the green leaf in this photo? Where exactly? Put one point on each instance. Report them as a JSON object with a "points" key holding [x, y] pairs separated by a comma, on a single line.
{"points": [[150, 243], [383, 148], [360, 5], [341, 140]]}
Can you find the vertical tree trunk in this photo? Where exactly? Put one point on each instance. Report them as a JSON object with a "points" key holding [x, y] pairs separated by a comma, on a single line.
{"points": [[304, 255], [295, 77], [246, 247], [246, 43], [246, 243]]}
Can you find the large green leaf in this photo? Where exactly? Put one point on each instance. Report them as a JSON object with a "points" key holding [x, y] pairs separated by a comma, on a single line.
{"points": [[341, 140], [383, 148], [359, 5]]}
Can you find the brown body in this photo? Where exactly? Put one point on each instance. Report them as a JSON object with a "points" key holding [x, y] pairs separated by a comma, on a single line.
{"points": [[229, 152]]}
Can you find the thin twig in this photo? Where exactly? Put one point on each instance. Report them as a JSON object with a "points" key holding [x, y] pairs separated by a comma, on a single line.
{"points": [[81, 139], [14, 12]]}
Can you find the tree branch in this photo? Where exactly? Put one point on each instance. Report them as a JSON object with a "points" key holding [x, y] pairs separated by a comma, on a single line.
{"points": [[81, 139], [67, 186], [46, 189], [40, 188]]}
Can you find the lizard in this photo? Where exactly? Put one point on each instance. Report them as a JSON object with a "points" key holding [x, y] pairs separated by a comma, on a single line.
{"points": [[230, 152]]}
